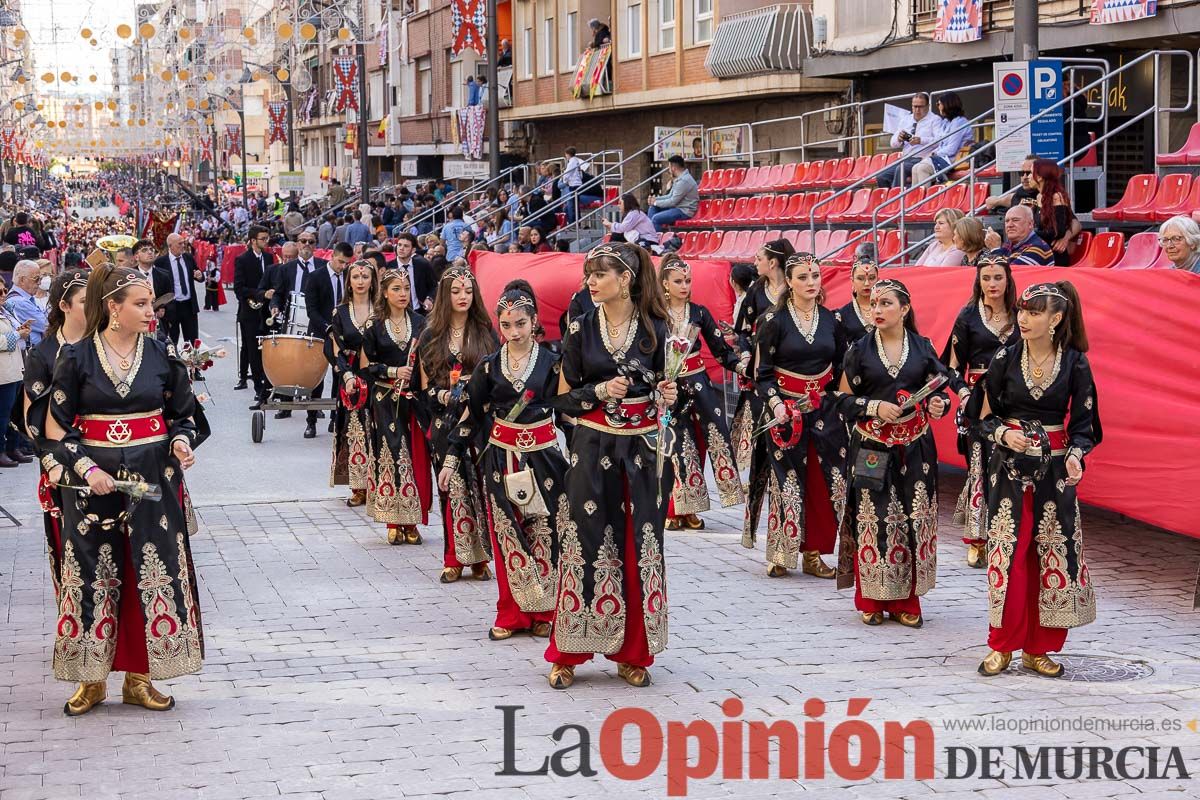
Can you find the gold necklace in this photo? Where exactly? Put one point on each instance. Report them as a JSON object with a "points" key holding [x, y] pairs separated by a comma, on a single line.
{"points": [[811, 333], [1038, 372], [124, 363]]}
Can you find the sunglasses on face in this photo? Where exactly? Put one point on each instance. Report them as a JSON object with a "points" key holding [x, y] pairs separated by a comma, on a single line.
{"points": [[308, 241], [1025, 173]]}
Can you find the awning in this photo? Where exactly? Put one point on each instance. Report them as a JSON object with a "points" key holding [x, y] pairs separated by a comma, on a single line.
{"points": [[772, 39]]}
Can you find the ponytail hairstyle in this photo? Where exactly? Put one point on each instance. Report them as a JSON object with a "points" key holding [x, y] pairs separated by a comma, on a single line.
{"points": [[1058, 297], [108, 282], [63, 289], [802, 259], [383, 309], [518, 293], [779, 251], [996, 258], [643, 286], [901, 291]]}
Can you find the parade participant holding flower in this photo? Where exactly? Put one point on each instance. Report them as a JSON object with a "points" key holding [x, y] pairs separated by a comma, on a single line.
{"points": [[343, 348]]}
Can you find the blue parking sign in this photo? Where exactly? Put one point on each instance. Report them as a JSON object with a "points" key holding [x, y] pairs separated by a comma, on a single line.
{"points": [[1046, 89]]}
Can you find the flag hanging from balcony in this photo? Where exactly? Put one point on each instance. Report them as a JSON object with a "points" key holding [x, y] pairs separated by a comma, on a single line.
{"points": [[233, 140], [8, 138], [345, 71], [277, 127], [468, 23], [1106, 11], [959, 21], [206, 144], [351, 142]]}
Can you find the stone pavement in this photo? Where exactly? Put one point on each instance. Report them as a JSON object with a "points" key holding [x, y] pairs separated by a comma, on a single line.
{"points": [[338, 667]]}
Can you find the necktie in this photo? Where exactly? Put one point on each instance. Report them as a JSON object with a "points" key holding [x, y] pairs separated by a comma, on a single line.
{"points": [[184, 286], [337, 290]]}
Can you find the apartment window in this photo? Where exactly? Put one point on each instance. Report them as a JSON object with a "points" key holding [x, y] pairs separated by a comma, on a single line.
{"points": [[570, 41], [702, 28], [666, 24], [422, 5], [527, 54], [547, 43], [633, 30], [424, 86]]}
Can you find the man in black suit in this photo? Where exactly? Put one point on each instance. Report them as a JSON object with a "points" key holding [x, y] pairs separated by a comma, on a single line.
{"points": [[420, 273], [289, 280], [248, 269], [323, 292], [183, 315], [270, 280]]}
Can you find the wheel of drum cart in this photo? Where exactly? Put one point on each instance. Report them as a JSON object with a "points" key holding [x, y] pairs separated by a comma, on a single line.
{"points": [[258, 423]]}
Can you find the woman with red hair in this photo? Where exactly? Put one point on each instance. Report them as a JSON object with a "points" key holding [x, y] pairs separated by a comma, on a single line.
{"points": [[1056, 223]]}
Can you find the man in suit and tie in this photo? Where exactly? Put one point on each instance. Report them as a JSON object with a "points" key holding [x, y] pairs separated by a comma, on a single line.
{"points": [[248, 269], [420, 273], [290, 280], [270, 280], [323, 293], [183, 314]]}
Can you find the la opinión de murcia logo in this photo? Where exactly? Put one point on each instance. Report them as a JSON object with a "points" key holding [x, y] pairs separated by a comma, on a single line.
{"points": [[854, 749]]}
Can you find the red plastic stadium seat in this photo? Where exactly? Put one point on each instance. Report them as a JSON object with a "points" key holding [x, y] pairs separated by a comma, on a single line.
{"points": [[791, 212], [801, 240], [796, 184], [1188, 154], [739, 210], [889, 245], [1186, 205], [712, 245], [1082, 242], [756, 240], [1090, 157], [1105, 250], [808, 200], [1138, 192], [1140, 252], [688, 244], [706, 179], [878, 162], [839, 251], [772, 235], [787, 175], [841, 172], [1162, 262], [954, 197], [837, 205], [733, 177], [812, 175], [821, 197], [820, 242], [857, 204], [892, 207], [776, 211], [857, 172], [774, 178], [1172, 190], [982, 191]]}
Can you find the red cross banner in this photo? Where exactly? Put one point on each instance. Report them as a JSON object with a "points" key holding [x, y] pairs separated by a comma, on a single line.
{"points": [[277, 127], [233, 140], [206, 144], [345, 70], [468, 23], [21, 150], [8, 137]]}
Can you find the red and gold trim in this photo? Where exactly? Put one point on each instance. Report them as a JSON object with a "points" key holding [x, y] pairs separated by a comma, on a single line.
{"points": [[599, 420], [122, 430], [1057, 435], [795, 385], [519, 438], [903, 431], [693, 364], [973, 374]]}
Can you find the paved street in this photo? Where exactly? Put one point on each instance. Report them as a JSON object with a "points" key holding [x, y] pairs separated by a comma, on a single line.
{"points": [[339, 668]]}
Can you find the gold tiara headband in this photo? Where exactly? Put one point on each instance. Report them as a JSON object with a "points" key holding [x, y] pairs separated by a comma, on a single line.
{"points": [[458, 273], [618, 252], [768, 249], [797, 259], [394, 273], [522, 301], [890, 285], [1043, 290], [126, 281], [76, 280], [677, 264], [864, 262]]}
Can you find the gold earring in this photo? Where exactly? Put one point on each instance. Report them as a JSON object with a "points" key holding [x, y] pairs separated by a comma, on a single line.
{"points": [[113, 325], [624, 292], [1051, 331]]}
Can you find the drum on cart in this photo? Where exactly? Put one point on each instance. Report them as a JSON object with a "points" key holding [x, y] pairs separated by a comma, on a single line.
{"points": [[295, 365]]}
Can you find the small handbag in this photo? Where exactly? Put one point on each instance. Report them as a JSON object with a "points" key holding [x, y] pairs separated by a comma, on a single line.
{"points": [[870, 469], [522, 491]]}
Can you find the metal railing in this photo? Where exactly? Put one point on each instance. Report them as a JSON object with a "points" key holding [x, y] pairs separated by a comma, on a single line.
{"points": [[440, 210]]}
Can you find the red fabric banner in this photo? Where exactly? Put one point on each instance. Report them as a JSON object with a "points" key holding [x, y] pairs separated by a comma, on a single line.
{"points": [[1142, 333]]}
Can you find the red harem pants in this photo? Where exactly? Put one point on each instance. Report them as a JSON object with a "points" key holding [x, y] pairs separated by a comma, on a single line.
{"points": [[820, 523], [1022, 628], [131, 655], [634, 650]]}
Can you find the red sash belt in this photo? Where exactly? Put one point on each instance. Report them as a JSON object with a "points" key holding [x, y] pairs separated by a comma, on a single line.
{"points": [[904, 431], [1055, 433], [522, 438], [973, 374], [641, 407], [795, 386], [692, 364], [122, 430], [398, 386]]}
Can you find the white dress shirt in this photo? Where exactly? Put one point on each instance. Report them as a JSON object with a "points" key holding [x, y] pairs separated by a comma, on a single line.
{"points": [[183, 290], [927, 130]]}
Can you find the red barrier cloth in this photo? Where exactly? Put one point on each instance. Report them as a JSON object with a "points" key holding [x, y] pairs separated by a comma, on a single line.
{"points": [[555, 277], [1142, 336]]}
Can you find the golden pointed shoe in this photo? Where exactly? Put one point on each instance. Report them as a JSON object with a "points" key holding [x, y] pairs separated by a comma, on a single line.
{"points": [[500, 634], [776, 571], [86, 697], [872, 618], [693, 523], [674, 524], [540, 630], [358, 498], [975, 556], [1042, 665], [561, 676], [451, 574], [411, 535], [813, 565], [994, 663], [481, 572], [395, 535], [908, 620], [139, 691], [635, 676]]}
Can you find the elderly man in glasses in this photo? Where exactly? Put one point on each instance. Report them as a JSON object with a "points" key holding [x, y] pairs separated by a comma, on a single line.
{"points": [[1180, 240]]}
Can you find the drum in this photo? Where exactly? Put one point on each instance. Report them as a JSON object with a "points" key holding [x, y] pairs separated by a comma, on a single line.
{"points": [[294, 364]]}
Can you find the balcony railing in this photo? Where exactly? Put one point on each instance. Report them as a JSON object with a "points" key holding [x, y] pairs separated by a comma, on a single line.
{"points": [[771, 39]]}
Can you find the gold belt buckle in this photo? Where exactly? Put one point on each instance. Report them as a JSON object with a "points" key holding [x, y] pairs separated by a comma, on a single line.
{"points": [[118, 432], [526, 439]]}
